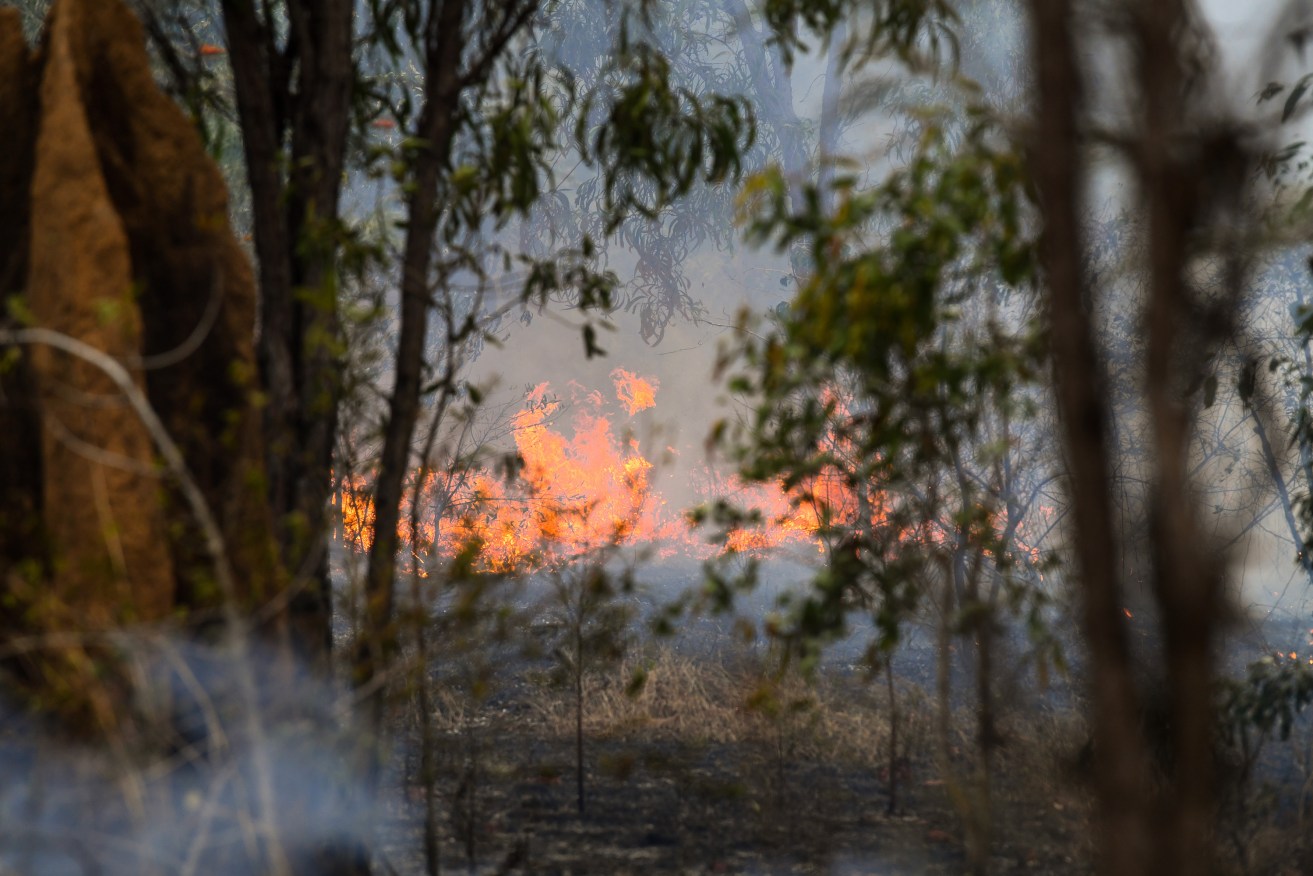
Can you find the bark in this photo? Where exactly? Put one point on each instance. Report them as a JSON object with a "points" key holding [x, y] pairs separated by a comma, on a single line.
{"points": [[295, 220], [437, 127], [20, 430], [294, 136], [894, 756], [1186, 579], [449, 68], [1125, 822], [579, 711], [1187, 174], [320, 119]]}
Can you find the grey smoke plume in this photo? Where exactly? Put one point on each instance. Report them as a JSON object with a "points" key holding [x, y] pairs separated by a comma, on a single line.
{"points": [[177, 794]]}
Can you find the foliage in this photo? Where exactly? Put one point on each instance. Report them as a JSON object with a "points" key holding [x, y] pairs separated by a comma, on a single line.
{"points": [[590, 623], [904, 28], [675, 52], [1268, 700], [876, 373]]}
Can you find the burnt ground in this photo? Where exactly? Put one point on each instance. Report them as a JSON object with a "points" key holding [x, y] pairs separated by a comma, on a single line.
{"points": [[690, 810], [701, 774], [783, 793], [715, 765]]}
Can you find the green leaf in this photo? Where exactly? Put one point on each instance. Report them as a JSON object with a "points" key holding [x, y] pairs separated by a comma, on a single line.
{"points": [[590, 342], [1295, 94], [1247, 381], [636, 683]]}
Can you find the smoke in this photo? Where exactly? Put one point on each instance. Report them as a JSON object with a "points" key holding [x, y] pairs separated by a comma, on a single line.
{"points": [[179, 790]]}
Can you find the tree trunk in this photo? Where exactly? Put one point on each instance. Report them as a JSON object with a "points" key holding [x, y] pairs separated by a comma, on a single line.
{"points": [[1125, 819], [437, 126], [295, 232], [1187, 583], [579, 715], [1160, 828]]}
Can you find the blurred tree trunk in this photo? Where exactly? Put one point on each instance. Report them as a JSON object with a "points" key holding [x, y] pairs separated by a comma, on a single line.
{"points": [[1125, 819], [293, 103], [1147, 826]]}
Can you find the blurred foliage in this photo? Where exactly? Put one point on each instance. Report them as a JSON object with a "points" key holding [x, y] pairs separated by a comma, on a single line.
{"points": [[905, 29], [885, 366], [1269, 699]]}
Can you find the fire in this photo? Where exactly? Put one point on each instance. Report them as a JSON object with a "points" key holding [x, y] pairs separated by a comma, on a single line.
{"points": [[635, 393], [574, 493], [580, 485], [790, 517], [357, 509]]}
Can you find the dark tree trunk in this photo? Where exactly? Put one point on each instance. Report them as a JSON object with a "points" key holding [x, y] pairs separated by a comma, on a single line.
{"points": [[301, 124], [450, 66], [1121, 780], [437, 127], [1148, 827], [1187, 581]]}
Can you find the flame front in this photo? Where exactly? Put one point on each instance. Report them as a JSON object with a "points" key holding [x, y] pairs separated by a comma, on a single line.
{"points": [[635, 393], [576, 491], [578, 487], [572, 495]]}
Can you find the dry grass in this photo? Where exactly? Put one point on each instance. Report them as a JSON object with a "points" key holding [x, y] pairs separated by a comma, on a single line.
{"points": [[754, 753], [841, 719], [725, 741]]}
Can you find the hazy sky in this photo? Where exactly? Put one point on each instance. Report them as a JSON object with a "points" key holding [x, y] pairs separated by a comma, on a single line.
{"points": [[1243, 28]]}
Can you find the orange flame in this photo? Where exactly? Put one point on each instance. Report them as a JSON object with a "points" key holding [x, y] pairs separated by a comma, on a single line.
{"points": [[577, 490], [357, 510], [572, 495], [635, 393], [579, 487], [790, 517]]}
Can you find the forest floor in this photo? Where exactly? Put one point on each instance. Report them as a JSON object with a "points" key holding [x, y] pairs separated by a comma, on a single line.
{"points": [[709, 769], [716, 765]]}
